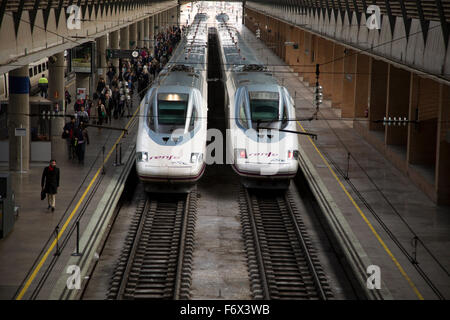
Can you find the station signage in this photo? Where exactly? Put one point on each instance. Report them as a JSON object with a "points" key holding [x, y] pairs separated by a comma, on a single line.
{"points": [[121, 54]]}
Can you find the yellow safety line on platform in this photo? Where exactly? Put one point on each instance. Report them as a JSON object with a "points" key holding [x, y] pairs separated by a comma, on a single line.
{"points": [[400, 268], [44, 258]]}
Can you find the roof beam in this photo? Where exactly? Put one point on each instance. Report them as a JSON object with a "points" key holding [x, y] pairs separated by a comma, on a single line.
{"points": [[33, 14], [406, 20], [424, 24], [390, 16], [18, 16], [444, 24], [2, 11]]}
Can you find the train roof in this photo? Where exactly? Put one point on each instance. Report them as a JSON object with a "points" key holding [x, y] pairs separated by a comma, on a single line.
{"points": [[240, 59], [188, 63]]}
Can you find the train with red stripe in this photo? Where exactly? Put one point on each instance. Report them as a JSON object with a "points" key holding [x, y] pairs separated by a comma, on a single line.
{"points": [[171, 141]]}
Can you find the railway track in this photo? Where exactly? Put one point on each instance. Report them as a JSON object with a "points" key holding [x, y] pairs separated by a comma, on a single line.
{"points": [[281, 260], [155, 262]]}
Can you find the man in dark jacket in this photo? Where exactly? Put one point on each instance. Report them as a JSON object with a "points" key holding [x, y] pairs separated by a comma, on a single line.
{"points": [[50, 183]]}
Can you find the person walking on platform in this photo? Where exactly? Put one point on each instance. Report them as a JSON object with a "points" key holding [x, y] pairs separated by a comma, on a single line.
{"points": [[50, 183], [67, 97], [101, 113], [81, 138], [68, 134], [109, 105], [43, 86], [111, 73], [101, 85], [81, 116]]}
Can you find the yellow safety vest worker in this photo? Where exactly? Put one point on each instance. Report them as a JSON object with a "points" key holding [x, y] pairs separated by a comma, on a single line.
{"points": [[43, 81]]}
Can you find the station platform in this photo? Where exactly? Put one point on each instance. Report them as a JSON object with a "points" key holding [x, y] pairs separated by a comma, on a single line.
{"points": [[383, 208], [27, 252]]}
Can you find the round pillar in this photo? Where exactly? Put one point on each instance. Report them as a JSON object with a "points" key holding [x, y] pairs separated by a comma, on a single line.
{"points": [[146, 23], [151, 31], [140, 34], [114, 44], [56, 90], [133, 35], [18, 116], [102, 66], [125, 38]]}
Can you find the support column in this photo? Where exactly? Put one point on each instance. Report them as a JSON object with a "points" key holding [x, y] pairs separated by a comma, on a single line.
{"points": [[362, 85], [443, 148], [146, 23], [422, 149], [101, 59], [165, 22], [299, 61], [309, 66], [174, 17], [377, 94], [18, 110], [133, 36], [151, 35], [326, 70], [349, 86], [338, 75], [114, 44], [423, 107], [158, 23], [397, 105], [155, 25], [140, 34], [125, 38], [56, 90]]}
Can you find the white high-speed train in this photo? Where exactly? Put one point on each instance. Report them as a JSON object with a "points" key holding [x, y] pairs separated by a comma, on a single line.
{"points": [[264, 158], [171, 140]]}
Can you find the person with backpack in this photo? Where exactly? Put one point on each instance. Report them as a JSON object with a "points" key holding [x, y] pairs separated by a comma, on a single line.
{"points": [[81, 116]]}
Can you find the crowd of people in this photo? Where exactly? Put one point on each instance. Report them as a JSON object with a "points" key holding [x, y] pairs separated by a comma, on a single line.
{"points": [[114, 100]]}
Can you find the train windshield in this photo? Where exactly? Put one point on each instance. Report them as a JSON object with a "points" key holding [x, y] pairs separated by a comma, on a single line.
{"points": [[264, 106], [172, 109]]}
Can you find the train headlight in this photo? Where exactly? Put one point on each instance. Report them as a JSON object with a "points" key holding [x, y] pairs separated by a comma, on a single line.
{"points": [[293, 154], [240, 153], [196, 157], [142, 156]]}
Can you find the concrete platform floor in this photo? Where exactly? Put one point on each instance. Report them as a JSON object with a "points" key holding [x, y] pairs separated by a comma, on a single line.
{"points": [[35, 224], [389, 194], [219, 264]]}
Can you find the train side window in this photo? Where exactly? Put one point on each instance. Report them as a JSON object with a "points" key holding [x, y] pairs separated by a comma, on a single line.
{"points": [[40, 68], [242, 116], [193, 118], [46, 65], [35, 70], [284, 119], [30, 72]]}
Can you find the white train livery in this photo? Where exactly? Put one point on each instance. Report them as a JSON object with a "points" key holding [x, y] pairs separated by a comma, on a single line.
{"points": [[171, 140], [257, 108]]}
